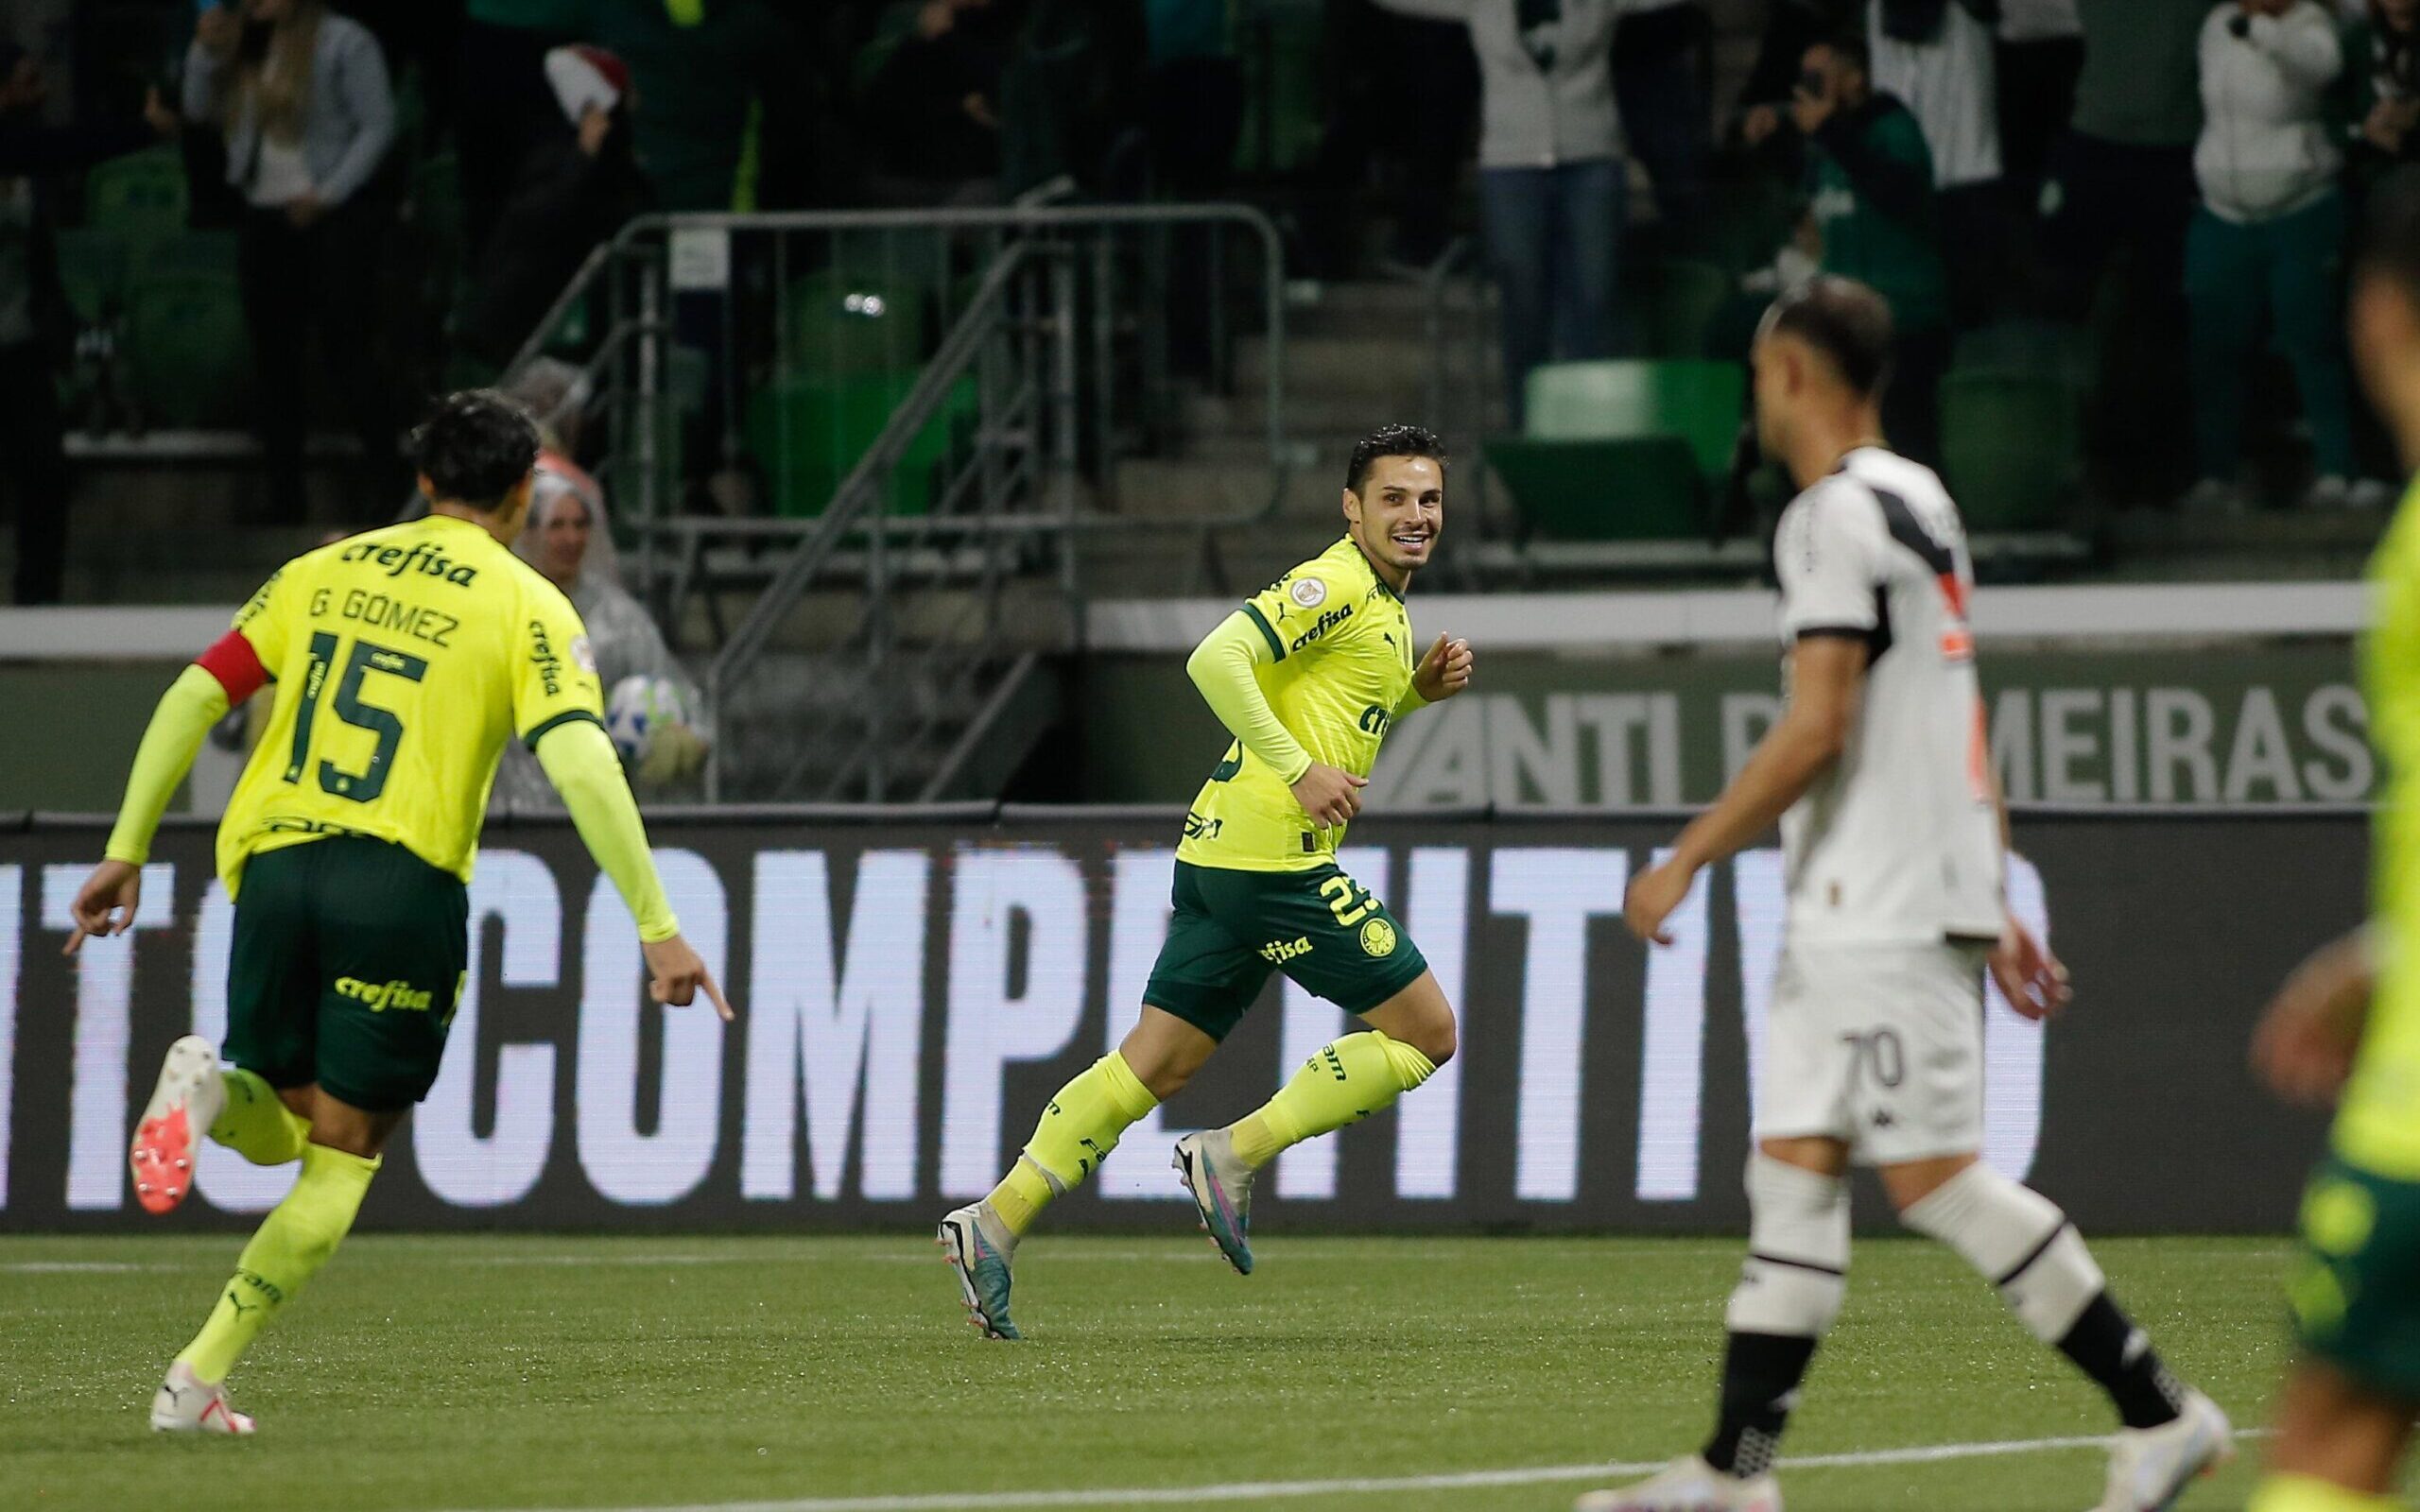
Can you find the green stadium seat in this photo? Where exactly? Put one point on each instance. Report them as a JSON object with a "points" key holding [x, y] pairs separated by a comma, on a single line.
{"points": [[1641, 488], [1683, 299], [142, 194], [203, 253], [2010, 447], [2029, 346], [839, 324], [809, 431], [1699, 402], [187, 348], [93, 262]]}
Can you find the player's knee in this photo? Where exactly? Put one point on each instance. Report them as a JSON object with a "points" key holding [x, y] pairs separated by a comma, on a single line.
{"points": [[1796, 1273], [2020, 1241], [1437, 1038]]}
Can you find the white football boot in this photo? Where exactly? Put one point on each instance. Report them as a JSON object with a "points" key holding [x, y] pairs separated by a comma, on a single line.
{"points": [[186, 1404], [167, 1137], [1221, 1189], [2149, 1467], [1688, 1485], [980, 1248]]}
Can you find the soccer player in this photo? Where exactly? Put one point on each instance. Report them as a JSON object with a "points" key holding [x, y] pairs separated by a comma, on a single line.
{"points": [[403, 659], [1309, 674], [2349, 1019], [1894, 841]]}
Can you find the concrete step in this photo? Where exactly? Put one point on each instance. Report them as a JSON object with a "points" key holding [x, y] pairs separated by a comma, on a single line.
{"points": [[1380, 364], [1244, 414], [1187, 490]]}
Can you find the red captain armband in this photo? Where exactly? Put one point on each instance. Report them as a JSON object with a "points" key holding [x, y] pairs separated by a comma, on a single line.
{"points": [[231, 660]]}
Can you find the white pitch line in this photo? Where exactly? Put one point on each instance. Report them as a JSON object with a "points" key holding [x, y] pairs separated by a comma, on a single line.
{"points": [[1358, 1486]]}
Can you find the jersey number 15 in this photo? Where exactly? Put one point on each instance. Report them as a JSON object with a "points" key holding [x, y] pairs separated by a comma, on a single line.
{"points": [[368, 657]]}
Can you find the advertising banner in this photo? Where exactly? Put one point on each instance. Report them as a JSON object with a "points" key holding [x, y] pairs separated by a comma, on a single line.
{"points": [[2258, 724], [911, 989]]}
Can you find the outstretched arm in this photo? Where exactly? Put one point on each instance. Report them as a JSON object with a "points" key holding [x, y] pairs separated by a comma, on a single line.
{"points": [[107, 902], [578, 758]]}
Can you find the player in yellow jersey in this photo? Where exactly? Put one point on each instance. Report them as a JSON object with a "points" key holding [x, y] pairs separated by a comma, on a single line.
{"points": [[1308, 676], [2349, 1021], [404, 659]]}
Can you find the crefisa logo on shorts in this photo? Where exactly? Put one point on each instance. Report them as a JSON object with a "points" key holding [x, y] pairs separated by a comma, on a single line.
{"points": [[380, 996]]}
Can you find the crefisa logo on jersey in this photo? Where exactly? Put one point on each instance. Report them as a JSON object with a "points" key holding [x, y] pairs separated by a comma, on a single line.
{"points": [[543, 657], [1326, 622], [421, 557]]}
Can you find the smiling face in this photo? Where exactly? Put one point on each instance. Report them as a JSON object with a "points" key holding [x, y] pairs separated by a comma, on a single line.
{"points": [[1399, 511]]}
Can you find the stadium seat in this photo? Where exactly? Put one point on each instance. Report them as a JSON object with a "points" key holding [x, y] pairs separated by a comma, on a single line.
{"points": [[204, 254], [1642, 488], [92, 262], [142, 194], [1699, 402], [2010, 447], [842, 324], [2029, 346], [186, 344], [808, 431], [1684, 297]]}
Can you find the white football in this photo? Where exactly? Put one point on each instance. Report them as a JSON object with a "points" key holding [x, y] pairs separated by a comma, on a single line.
{"points": [[637, 708]]}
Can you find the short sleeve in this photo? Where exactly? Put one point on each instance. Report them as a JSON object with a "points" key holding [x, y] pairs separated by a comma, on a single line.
{"points": [[267, 620], [1300, 612], [554, 667], [1829, 563]]}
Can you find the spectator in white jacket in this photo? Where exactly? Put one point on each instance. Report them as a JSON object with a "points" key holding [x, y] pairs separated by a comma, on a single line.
{"points": [[2269, 238]]}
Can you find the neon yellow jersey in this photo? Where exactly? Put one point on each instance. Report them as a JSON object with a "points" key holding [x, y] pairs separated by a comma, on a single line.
{"points": [[404, 659], [2378, 1127], [1340, 672]]}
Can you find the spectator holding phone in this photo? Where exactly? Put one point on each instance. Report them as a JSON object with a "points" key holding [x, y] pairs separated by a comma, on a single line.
{"points": [[303, 97]]}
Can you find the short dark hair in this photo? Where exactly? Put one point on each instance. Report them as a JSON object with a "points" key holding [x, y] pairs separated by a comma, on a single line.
{"points": [[2389, 247], [475, 447], [1846, 320], [1391, 441]]}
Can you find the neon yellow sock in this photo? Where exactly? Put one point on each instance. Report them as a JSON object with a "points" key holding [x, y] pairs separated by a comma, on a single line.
{"points": [[255, 1123], [1077, 1132], [294, 1241], [2301, 1493], [1346, 1081]]}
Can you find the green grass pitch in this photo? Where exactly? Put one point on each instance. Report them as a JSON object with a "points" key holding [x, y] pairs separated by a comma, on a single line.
{"points": [[419, 1374]]}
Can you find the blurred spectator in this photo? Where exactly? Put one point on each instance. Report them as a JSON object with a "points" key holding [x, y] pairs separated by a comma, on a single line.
{"points": [[1194, 103], [2040, 53], [928, 86], [1872, 211], [502, 111], [2382, 58], [2269, 237], [36, 325], [2115, 205], [1791, 27], [1663, 84], [721, 79], [569, 540], [1935, 57], [1553, 189], [301, 95], [1412, 158], [575, 187]]}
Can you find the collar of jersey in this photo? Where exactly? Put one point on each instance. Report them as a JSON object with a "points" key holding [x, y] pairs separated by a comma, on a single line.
{"points": [[1371, 568]]}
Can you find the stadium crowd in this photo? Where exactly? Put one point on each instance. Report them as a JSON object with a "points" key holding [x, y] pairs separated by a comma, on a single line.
{"points": [[2152, 193]]}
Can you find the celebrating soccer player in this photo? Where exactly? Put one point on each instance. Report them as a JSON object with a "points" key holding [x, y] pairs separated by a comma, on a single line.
{"points": [[404, 659], [2350, 1018], [1894, 837], [1309, 674]]}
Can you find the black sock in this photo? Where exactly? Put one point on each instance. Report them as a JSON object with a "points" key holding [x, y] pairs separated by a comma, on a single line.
{"points": [[1761, 1377], [2106, 1346]]}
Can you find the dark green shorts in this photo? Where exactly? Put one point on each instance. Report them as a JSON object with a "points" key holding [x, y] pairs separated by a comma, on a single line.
{"points": [[2356, 1288], [346, 969], [1233, 928]]}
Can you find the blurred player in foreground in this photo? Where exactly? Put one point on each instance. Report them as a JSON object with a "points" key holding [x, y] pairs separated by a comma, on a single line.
{"points": [[404, 659], [2349, 1019], [1309, 674], [1895, 841]]}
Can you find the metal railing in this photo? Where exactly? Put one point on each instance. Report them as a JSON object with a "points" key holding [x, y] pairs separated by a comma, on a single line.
{"points": [[912, 504]]}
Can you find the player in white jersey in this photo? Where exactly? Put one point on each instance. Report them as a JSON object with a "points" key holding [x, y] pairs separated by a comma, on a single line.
{"points": [[1893, 844]]}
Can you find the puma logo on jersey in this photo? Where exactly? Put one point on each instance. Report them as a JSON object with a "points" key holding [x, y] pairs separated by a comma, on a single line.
{"points": [[421, 557]]}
